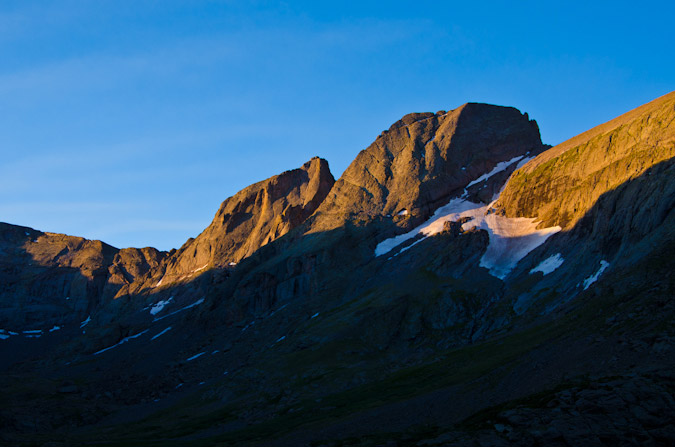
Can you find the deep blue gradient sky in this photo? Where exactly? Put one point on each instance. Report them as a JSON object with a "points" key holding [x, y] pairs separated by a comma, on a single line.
{"points": [[131, 121]]}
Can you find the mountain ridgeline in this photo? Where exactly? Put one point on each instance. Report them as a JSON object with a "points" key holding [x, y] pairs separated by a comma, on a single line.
{"points": [[461, 283]]}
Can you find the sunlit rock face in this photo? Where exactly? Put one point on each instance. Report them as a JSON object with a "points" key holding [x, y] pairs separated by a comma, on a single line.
{"points": [[252, 218], [425, 159], [562, 184]]}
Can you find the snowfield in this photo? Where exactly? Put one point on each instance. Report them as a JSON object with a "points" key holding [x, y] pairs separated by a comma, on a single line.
{"points": [[511, 239]]}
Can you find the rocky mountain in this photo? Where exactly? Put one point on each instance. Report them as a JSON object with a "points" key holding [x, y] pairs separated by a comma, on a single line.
{"points": [[460, 284], [51, 279], [422, 160], [252, 218]]}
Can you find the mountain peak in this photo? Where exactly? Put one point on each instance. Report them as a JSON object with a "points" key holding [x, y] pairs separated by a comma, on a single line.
{"points": [[252, 218], [423, 160]]}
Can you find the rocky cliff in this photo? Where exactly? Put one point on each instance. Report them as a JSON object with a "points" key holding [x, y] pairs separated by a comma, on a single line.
{"points": [[252, 218], [562, 184], [423, 160], [397, 182]]}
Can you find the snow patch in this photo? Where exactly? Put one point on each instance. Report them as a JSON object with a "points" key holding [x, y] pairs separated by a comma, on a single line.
{"points": [[35, 331], [280, 338], [523, 162], [274, 312], [4, 335], [232, 264], [549, 264], [85, 322], [55, 328], [432, 226], [591, 279], [121, 342], [157, 308], [160, 282], [501, 166], [201, 268], [161, 333], [314, 316], [196, 303], [195, 356], [511, 239], [409, 247], [403, 212]]}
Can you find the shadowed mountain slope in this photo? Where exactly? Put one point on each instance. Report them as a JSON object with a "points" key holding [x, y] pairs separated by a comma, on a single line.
{"points": [[49, 278]]}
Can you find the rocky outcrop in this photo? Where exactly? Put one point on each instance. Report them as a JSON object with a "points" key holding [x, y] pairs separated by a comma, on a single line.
{"points": [[252, 218], [423, 160], [562, 184], [50, 278], [130, 265]]}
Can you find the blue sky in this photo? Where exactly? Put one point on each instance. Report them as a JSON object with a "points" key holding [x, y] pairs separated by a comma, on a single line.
{"points": [[131, 121]]}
